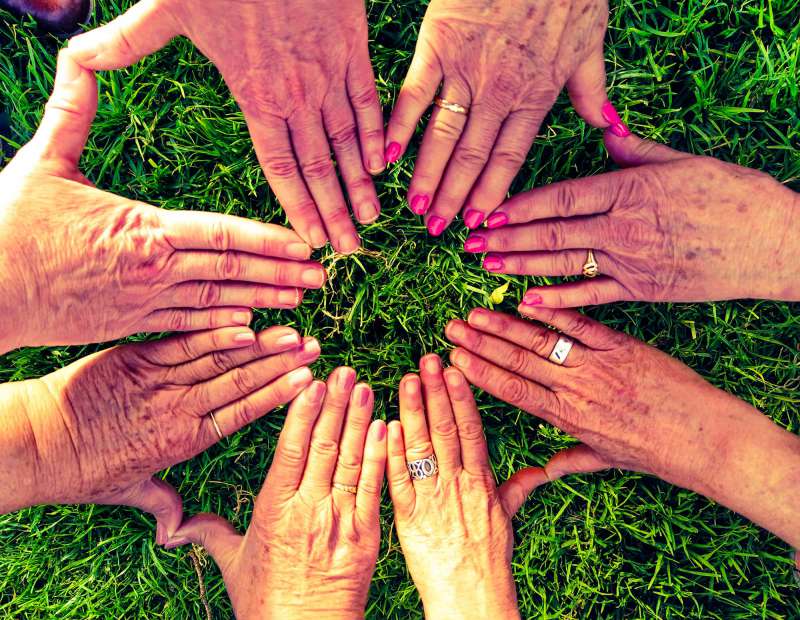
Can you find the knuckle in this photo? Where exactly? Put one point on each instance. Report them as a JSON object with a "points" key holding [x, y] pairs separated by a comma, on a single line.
{"points": [[292, 454], [365, 98], [539, 341], [369, 487], [318, 168], [324, 447], [220, 238], [359, 183], [445, 429], [185, 344], [579, 326], [229, 266], [244, 379], [553, 236], [349, 462], [178, 321], [566, 264], [243, 413], [209, 294], [280, 167], [445, 131], [565, 199], [399, 479], [517, 360], [222, 361], [344, 137], [422, 449], [468, 156], [416, 92], [471, 431], [514, 390], [510, 159]]}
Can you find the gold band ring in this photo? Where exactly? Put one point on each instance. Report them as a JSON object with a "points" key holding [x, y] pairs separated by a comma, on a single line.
{"points": [[216, 426], [450, 106], [590, 268], [347, 488]]}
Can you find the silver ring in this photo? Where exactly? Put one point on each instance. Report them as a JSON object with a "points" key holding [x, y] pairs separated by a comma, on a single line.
{"points": [[423, 468], [216, 426], [561, 350]]}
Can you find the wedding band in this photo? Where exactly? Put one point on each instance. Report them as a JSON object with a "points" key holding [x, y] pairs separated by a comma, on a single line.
{"points": [[561, 350], [423, 468], [450, 106], [347, 488], [590, 268], [216, 426]]}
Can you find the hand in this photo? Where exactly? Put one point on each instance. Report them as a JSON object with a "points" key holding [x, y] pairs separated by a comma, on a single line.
{"points": [[311, 549], [672, 227], [454, 527], [506, 61], [636, 409], [97, 430], [301, 72], [81, 265]]}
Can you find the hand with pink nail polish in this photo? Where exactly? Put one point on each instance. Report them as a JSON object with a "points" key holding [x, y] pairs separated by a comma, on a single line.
{"points": [[670, 227], [99, 429], [504, 62], [81, 265], [300, 70], [312, 546]]}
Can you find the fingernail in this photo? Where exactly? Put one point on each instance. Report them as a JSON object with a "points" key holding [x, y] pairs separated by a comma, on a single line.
{"points": [[455, 330], [377, 164], [473, 218], [479, 318], [611, 116], [493, 262], [475, 244], [532, 299], [301, 376], [369, 213], [289, 297], [242, 318], [393, 152], [412, 385], [345, 379], [301, 251], [436, 226], [454, 378], [313, 277], [311, 349], [176, 542], [318, 237], [349, 243], [289, 340], [496, 220], [432, 364], [378, 430], [459, 358], [245, 338], [419, 204], [363, 394]]}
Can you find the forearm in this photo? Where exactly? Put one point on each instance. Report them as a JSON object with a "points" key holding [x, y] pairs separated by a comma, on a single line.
{"points": [[19, 475], [782, 282], [493, 596]]}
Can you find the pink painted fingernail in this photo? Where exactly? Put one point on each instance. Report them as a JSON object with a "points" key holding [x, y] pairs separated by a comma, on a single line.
{"points": [[496, 220], [473, 218], [378, 430], [363, 393], [420, 204], [611, 116], [242, 318], [393, 152], [436, 226], [532, 299], [475, 244], [493, 262]]}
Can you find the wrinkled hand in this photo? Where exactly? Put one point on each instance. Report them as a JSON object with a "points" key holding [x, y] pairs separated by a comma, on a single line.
{"points": [[104, 425], [507, 61], [455, 527], [81, 265], [311, 548], [671, 227], [301, 72]]}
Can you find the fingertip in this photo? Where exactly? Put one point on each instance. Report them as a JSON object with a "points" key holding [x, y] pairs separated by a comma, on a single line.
{"points": [[460, 358], [377, 431], [362, 395], [410, 384], [430, 364], [455, 378]]}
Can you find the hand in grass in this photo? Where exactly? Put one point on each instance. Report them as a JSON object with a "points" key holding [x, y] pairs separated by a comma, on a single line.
{"points": [[82, 265], [311, 548], [97, 430], [635, 408], [454, 527], [301, 72], [507, 60], [671, 227]]}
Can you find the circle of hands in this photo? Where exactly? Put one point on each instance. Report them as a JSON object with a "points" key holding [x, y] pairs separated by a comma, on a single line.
{"points": [[103, 267]]}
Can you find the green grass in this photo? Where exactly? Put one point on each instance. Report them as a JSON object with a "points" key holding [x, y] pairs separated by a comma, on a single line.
{"points": [[712, 77]]}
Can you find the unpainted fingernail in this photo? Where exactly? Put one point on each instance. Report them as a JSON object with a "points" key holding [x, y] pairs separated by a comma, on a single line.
{"points": [[345, 378], [612, 117], [289, 340], [369, 213], [289, 297], [393, 152], [493, 262], [496, 220], [532, 299], [436, 226], [459, 358], [420, 204], [479, 318], [298, 250], [411, 385], [318, 237], [311, 348], [349, 243], [454, 378], [475, 244], [473, 218], [242, 318], [432, 364], [316, 391], [377, 164], [247, 337], [301, 376], [363, 393], [313, 277], [378, 430], [456, 329]]}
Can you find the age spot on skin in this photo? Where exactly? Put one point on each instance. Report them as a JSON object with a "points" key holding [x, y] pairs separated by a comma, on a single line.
{"points": [[690, 255]]}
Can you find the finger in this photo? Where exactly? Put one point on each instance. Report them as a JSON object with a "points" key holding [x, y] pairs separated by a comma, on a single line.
{"points": [[214, 534], [579, 459], [415, 429], [157, 497], [187, 320], [576, 294], [367, 107], [415, 97], [324, 448], [400, 487], [314, 156], [214, 294], [145, 28], [564, 263], [506, 386], [442, 424], [200, 230], [186, 348], [231, 265], [631, 151], [343, 134], [587, 88], [368, 499], [556, 234], [441, 137], [273, 146], [591, 333], [289, 462], [474, 452], [529, 336], [351, 448], [515, 491]]}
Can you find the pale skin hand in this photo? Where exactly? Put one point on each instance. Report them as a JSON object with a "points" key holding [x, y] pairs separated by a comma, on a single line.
{"points": [[97, 430], [301, 72], [670, 227], [81, 265], [311, 549], [455, 527], [506, 60], [635, 408]]}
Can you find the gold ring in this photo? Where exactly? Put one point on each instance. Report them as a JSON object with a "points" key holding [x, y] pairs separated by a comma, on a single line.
{"points": [[450, 106], [590, 268], [347, 488], [216, 426]]}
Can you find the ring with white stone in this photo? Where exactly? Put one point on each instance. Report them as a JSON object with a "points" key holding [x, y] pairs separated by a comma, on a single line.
{"points": [[423, 468], [561, 350]]}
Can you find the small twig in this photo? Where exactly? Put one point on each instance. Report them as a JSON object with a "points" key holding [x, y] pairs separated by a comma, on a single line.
{"points": [[201, 583]]}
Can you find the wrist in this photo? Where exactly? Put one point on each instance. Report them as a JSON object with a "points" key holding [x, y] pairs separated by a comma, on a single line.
{"points": [[472, 598], [780, 282]]}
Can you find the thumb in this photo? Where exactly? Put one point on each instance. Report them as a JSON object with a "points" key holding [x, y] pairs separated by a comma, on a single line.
{"points": [[145, 28], [587, 89], [515, 491], [580, 459], [158, 498], [212, 532], [630, 151]]}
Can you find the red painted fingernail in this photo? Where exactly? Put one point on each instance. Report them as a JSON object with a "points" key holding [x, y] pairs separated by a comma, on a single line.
{"points": [[496, 220], [475, 244], [532, 299], [378, 430], [393, 153], [611, 116], [493, 262], [436, 226], [473, 218], [420, 204]]}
